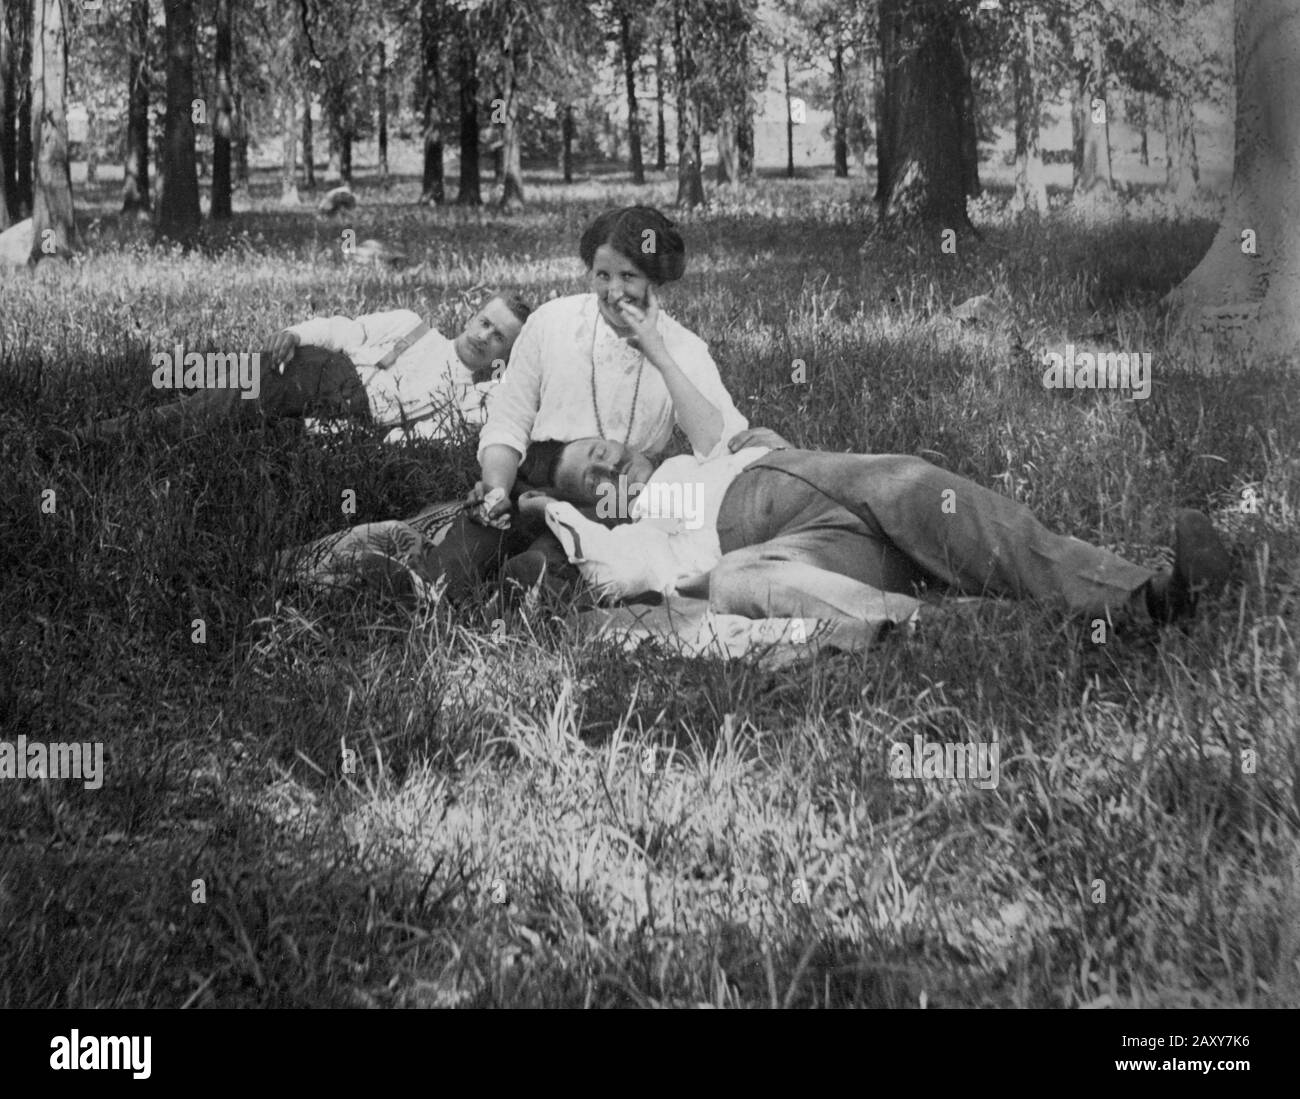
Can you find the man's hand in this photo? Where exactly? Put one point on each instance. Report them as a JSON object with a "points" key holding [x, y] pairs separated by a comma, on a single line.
{"points": [[757, 436], [490, 507], [282, 349], [645, 326], [532, 504]]}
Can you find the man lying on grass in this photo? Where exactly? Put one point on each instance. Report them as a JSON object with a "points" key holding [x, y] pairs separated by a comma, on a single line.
{"points": [[770, 531], [391, 370]]}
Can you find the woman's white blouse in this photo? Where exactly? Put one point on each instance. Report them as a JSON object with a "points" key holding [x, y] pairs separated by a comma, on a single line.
{"points": [[546, 391]]}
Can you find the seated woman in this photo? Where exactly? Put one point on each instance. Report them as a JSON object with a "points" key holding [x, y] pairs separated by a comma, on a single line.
{"points": [[609, 363], [773, 531]]}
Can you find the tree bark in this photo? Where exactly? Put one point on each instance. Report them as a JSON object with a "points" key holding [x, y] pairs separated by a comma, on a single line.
{"points": [[1263, 284], [240, 150], [54, 230], [223, 128], [433, 187], [135, 178], [690, 182], [839, 109], [178, 206], [289, 146], [6, 125], [469, 193], [1094, 121], [308, 140], [922, 178], [566, 142], [661, 134], [381, 93], [512, 174], [1182, 172], [630, 51], [1031, 185], [25, 133], [789, 123]]}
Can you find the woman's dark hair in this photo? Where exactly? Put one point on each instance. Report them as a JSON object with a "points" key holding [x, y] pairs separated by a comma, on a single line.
{"points": [[538, 466], [641, 235]]}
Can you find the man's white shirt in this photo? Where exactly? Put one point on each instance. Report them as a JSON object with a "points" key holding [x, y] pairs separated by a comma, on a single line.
{"points": [[427, 382], [674, 530]]}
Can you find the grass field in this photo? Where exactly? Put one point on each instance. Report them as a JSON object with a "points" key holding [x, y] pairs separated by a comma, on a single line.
{"points": [[502, 841]]}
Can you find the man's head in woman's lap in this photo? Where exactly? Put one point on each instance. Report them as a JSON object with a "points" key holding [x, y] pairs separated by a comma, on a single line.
{"points": [[575, 471]]}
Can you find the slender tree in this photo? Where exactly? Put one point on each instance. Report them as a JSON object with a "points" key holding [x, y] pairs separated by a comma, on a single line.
{"points": [[6, 129], [469, 193], [690, 182], [223, 128], [661, 133], [24, 155], [381, 94], [629, 41], [433, 187], [135, 176], [1031, 185], [178, 205], [308, 137], [54, 230]]}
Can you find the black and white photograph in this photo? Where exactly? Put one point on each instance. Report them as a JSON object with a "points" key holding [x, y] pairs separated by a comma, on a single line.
{"points": [[663, 504]]}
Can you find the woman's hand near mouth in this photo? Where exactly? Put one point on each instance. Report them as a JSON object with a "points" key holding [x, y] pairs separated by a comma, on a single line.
{"points": [[644, 326]]}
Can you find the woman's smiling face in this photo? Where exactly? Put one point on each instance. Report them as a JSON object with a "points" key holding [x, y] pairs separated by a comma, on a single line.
{"points": [[613, 277]]}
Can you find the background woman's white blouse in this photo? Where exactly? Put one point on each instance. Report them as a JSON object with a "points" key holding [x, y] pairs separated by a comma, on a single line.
{"points": [[545, 392]]}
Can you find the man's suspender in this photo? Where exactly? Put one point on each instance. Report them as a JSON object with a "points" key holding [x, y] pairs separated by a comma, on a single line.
{"points": [[400, 347]]}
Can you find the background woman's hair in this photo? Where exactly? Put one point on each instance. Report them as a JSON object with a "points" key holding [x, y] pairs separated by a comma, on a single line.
{"points": [[661, 257]]}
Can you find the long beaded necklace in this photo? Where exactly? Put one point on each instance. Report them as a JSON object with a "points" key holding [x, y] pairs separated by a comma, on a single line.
{"points": [[636, 391]]}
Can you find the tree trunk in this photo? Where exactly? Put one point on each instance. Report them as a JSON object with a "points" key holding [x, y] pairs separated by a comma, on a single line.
{"points": [[6, 125], [223, 129], [178, 206], [968, 114], [25, 156], [381, 93], [240, 150], [469, 194], [345, 149], [135, 178], [1259, 274], [512, 174], [566, 142], [308, 140], [92, 147], [1031, 185], [1094, 135], [289, 145], [629, 52], [789, 124], [922, 178], [54, 230], [661, 134], [1182, 173], [728, 148], [839, 109], [690, 183], [1144, 108], [433, 186]]}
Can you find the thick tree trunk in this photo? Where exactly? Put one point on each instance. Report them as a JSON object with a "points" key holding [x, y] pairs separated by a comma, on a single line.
{"points": [[469, 193], [922, 178], [661, 133], [308, 140], [433, 187], [289, 145], [54, 231], [1094, 129], [512, 173], [135, 179], [690, 182], [968, 114], [1253, 265], [630, 48], [1031, 185], [1182, 172], [178, 206], [839, 110], [223, 129], [381, 94]]}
